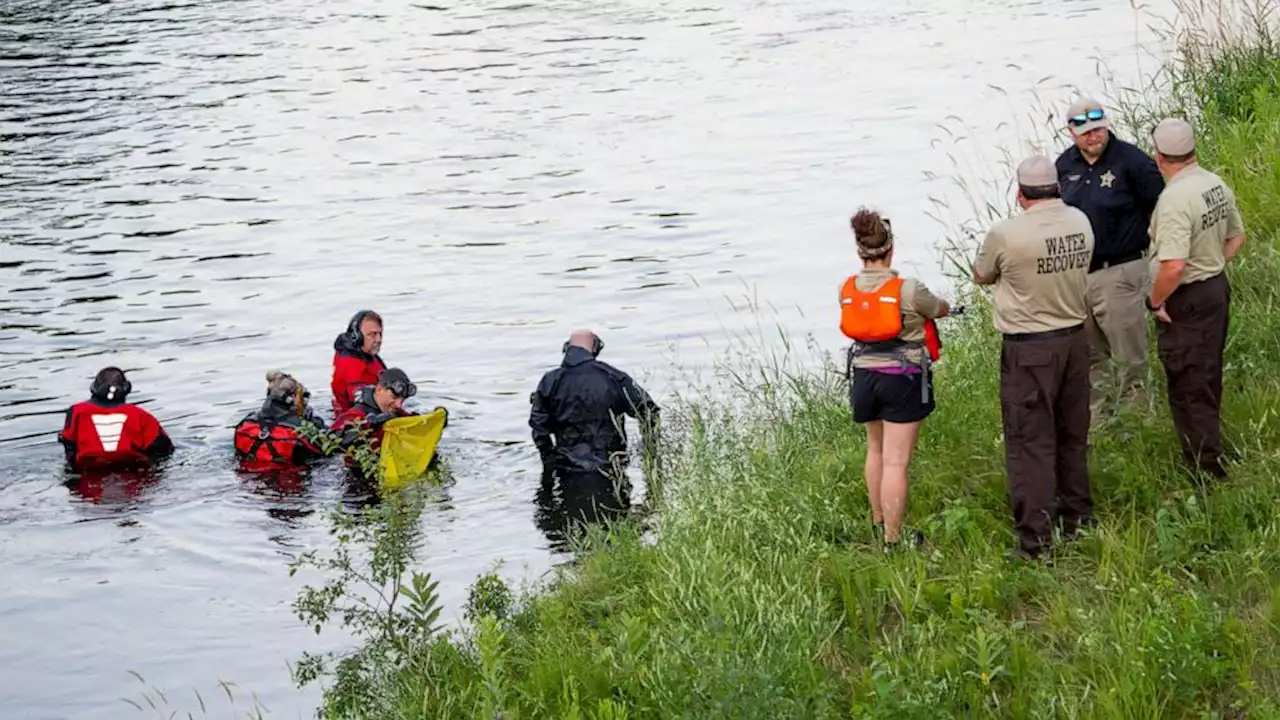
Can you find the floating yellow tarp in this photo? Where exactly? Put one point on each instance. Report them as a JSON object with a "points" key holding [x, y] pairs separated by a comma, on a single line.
{"points": [[409, 444]]}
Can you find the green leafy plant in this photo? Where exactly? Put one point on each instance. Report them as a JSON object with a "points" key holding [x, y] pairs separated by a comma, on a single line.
{"points": [[371, 591], [366, 459], [489, 595]]}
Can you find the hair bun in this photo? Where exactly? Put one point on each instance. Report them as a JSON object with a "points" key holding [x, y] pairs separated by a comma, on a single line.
{"points": [[867, 224], [872, 234]]}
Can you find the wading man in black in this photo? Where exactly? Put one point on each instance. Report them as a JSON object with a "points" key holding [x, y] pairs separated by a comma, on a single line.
{"points": [[578, 414]]}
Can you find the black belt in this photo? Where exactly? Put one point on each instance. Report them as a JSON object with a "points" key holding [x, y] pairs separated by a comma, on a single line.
{"points": [[1113, 261], [1211, 278], [1046, 335]]}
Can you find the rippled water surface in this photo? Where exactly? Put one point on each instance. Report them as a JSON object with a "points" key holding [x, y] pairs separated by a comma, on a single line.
{"points": [[200, 192]]}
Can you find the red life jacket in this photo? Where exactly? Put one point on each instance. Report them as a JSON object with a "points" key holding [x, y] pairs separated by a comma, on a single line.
{"points": [[352, 414], [932, 340], [363, 406], [350, 373], [111, 436], [264, 444]]}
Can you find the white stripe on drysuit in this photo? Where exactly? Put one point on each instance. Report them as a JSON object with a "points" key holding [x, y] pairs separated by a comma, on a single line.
{"points": [[109, 428]]}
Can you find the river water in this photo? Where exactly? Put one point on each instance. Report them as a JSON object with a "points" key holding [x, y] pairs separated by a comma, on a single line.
{"points": [[200, 192]]}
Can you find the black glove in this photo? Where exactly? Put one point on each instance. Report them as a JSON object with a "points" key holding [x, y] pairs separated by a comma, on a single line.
{"points": [[547, 456], [373, 420]]}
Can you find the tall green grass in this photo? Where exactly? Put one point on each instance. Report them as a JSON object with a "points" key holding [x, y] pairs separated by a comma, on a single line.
{"points": [[766, 596]]}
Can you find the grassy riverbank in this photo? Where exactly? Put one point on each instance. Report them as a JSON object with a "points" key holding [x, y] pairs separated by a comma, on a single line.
{"points": [[766, 597]]}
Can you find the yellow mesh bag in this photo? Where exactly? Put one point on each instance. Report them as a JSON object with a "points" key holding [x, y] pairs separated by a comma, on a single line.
{"points": [[409, 444]]}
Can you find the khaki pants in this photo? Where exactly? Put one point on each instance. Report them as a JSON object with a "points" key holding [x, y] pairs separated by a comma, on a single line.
{"points": [[1117, 327], [1191, 349], [1044, 403]]}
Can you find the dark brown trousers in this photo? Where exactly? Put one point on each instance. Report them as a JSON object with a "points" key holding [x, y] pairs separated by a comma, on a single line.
{"points": [[1191, 349], [1044, 401]]}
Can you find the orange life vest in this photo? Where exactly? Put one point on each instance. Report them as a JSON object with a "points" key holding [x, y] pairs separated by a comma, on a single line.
{"points": [[875, 316]]}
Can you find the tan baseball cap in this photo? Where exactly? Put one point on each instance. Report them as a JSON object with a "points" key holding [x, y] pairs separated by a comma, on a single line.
{"points": [[1080, 112], [1174, 137], [1037, 171]]}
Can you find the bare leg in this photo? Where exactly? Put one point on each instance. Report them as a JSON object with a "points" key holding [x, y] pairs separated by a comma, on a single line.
{"points": [[899, 442], [875, 468]]}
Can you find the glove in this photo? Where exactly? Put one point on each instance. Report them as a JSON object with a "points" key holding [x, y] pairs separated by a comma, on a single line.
{"points": [[373, 420], [547, 456]]}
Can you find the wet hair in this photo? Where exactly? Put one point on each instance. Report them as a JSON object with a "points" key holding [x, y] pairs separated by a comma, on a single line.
{"points": [[873, 234], [284, 390], [371, 315], [281, 384], [109, 376], [1040, 192]]}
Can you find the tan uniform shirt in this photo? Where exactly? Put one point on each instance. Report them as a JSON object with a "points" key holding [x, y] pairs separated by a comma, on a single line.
{"points": [[917, 303], [1193, 219], [1040, 262]]}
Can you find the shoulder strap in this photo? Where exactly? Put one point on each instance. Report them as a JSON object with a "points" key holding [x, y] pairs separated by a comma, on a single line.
{"points": [[849, 286], [893, 285], [265, 428]]}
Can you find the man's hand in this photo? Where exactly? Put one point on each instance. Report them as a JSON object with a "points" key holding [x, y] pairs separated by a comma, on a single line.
{"points": [[375, 419], [547, 456], [1159, 311]]}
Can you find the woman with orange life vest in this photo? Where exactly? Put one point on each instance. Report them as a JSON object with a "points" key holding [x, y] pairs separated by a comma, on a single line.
{"points": [[271, 438], [890, 319]]}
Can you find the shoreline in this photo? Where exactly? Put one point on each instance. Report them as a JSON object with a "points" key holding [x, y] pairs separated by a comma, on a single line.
{"points": [[765, 595]]}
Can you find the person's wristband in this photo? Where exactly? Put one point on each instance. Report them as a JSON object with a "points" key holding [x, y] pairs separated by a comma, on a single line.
{"points": [[1152, 308]]}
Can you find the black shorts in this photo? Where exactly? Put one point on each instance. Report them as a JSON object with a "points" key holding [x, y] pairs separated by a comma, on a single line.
{"points": [[896, 398]]}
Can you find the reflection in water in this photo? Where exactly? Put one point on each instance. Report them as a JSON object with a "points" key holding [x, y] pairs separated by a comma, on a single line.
{"points": [[284, 492], [359, 492], [120, 489], [566, 503]]}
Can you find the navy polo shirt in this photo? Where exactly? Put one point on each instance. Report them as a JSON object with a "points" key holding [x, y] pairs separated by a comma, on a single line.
{"points": [[1118, 193]]}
